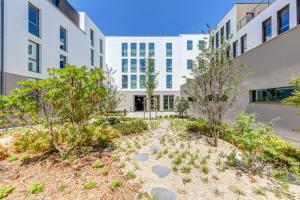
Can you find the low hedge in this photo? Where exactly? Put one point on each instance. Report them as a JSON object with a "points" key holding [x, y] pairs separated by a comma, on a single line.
{"points": [[132, 127]]}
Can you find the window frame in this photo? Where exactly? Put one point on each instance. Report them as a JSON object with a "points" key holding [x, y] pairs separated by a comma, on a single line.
{"points": [[244, 46], [169, 49], [265, 24], [124, 86], [142, 49], [188, 62], [222, 35], [133, 86], [92, 37], [124, 49], [142, 84], [101, 45], [63, 47], [64, 61], [217, 40], [133, 68], [92, 57], [151, 50], [189, 45], [133, 49], [235, 47], [37, 60], [228, 29], [169, 82], [38, 18], [281, 29], [124, 69], [168, 100]]}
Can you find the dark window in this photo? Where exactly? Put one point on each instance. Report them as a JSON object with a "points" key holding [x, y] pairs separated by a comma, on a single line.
{"points": [[235, 49], [124, 81], [142, 49], [201, 44], [189, 45], [271, 95], [169, 63], [92, 37], [212, 42], [217, 40], [55, 2], [133, 49], [169, 49], [151, 49], [133, 81], [283, 20], [142, 81], [33, 57], [124, 49], [101, 62], [243, 44], [189, 64], [169, 81], [124, 65], [298, 11], [151, 65], [63, 39], [168, 103], [267, 29], [62, 61], [101, 46], [142, 65], [133, 67], [33, 20], [222, 35], [228, 30], [92, 57]]}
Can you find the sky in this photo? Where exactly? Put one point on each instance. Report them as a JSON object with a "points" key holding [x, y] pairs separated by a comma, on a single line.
{"points": [[153, 17]]}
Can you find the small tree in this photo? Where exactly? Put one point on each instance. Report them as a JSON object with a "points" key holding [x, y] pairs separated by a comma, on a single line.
{"points": [[151, 82], [214, 85], [182, 105]]}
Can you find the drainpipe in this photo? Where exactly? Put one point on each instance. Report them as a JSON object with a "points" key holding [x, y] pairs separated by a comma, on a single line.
{"points": [[1, 47]]}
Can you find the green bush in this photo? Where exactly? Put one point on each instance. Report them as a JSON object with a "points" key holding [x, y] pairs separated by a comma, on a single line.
{"points": [[113, 121], [89, 185], [35, 188], [132, 127], [5, 191], [98, 164], [116, 183], [99, 122], [199, 125]]}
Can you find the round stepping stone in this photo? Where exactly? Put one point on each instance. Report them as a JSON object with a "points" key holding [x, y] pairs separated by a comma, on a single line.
{"points": [[155, 147], [142, 157], [163, 194], [161, 171]]}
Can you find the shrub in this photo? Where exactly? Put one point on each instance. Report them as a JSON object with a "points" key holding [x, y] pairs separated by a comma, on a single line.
{"points": [[99, 122], [113, 121], [3, 153], [132, 127], [35, 188], [89, 185], [98, 164], [116, 183], [199, 125], [5, 191], [182, 105], [12, 158], [103, 137]]}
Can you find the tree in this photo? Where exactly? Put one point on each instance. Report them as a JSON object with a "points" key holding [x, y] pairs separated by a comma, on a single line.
{"points": [[214, 85], [182, 105], [151, 82]]}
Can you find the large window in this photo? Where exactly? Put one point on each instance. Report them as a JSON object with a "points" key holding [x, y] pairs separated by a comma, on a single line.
{"points": [[271, 95], [124, 81], [235, 49], [169, 83], [124, 65], [33, 57], [243, 44], [283, 20], [92, 37], [152, 65], [142, 49], [169, 63], [62, 61], [124, 49], [189, 45], [267, 29], [34, 20], [133, 81], [169, 49], [142, 81], [133, 49], [92, 57], [101, 46], [228, 30], [189, 64], [63, 39], [217, 39], [168, 103], [142, 65], [222, 35], [151, 49], [133, 67]]}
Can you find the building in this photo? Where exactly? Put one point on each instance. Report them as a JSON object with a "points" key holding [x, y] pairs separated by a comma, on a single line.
{"points": [[173, 60]]}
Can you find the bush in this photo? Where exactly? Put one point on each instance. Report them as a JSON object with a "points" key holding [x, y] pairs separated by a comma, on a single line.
{"points": [[89, 185], [132, 127], [182, 105], [5, 191], [116, 183], [199, 125], [3, 153], [35, 188], [99, 122], [98, 164], [113, 121]]}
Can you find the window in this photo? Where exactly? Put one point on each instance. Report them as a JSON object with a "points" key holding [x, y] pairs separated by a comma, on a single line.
{"points": [[168, 103], [101, 46], [271, 95], [101, 62], [62, 61], [133, 81], [217, 40], [124, 65], [243, 44], [298, 11], [235, 49], [283, 20], [92, 37], [92, 57], [169, 63], [267, 29], [152, 65], [142, 81], [124, 49], [212, 42], [189, 64], [124, 81], [63, 39], [169, 49], [222, 35], [228, 30], [142, 49], [151, 49], [169, 81], [133, 49], [133, 67], [189, 45], [33, 57], [34, 20], [201, 44], [142, 65], [155, 104], [55, 2]]}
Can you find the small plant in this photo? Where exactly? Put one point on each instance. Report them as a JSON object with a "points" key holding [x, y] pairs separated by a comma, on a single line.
{"points": [[115, 158], [204, 179], [205, 169], [231, 159], [178, 160], [115, 184], [5, 191], [89, 184], [98, 164], [25, 158], [217, 192], [36, 188], [104, 171], [259, 191], [186, 169], [237, 191], [12, 158], [186, 180], [130, 174], [62, 186]]}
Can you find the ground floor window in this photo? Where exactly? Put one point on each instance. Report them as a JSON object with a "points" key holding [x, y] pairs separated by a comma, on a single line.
{"points": [[168, 103], [155, 103], [271, 95], [33, 57], [62, 61]]}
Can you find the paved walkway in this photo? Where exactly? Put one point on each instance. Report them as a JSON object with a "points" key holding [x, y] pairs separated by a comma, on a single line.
{"points": [[153, 114]]}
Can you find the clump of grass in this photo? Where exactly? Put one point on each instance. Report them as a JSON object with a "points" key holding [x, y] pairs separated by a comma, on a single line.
{"points": [[217, 192], [175, 169], [205, 169], [178, 160], [12, 158], [35, 187], [98, 164], [104, 171], [5, 191], [90, 184], [115, 158], [237, 191], [115, 184], [204, 179], [186, 180], [231, 159], [186, 169], [259, 191], [130, 174], [62, 186]]}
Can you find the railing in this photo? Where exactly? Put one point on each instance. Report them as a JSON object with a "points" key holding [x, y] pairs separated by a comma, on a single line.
{"points": [[261, 6]]}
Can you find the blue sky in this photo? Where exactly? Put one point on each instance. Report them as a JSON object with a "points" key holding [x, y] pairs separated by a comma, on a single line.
{"points": [[153, 17]]}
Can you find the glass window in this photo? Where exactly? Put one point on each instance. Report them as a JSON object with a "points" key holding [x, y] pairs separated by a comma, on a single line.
{"points": [[124, 81], [101, 46], [124, 49], [133, 66], [133, 81], [189, 64], [169, 82], [271, 95], [212, 42], [63, 61], [283, 20], [189, 44], [267, 29], [228, 30], [33, 20], [133, 49], [142, 81], [201, 44], [244, 44], [142, 49], [92, 57], [151, 49], [169, 48], [168, 103], [298, 11], [217, 40], [101, 62], [33, 57], [222, 35], [92, 37], [124, 65], [63, 39], [55, 2], [142, 65], [152, 65], [169, 63], [235, 49]]}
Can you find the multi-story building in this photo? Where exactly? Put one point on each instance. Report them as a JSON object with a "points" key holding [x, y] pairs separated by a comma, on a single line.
{"points": [[173, 60]]}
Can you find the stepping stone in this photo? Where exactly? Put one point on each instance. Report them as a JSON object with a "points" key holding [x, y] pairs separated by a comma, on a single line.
{"points": [[159, 135], [163, 194], [161, 171], [155, 147], [142, 157]]}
